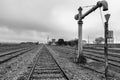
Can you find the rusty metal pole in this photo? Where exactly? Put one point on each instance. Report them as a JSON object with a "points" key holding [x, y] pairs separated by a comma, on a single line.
{"points": [[106, 50], [107, 16]]}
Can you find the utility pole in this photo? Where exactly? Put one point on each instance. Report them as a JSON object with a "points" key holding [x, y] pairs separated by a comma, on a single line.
{"points": [[88, 41], [79, 17], [107, 16]]}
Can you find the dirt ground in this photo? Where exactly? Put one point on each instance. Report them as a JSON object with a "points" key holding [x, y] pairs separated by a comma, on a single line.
{"points": [[66, 58]]}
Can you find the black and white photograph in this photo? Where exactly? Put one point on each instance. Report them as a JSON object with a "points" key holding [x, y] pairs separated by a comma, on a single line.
{"points": [[59, 40]]}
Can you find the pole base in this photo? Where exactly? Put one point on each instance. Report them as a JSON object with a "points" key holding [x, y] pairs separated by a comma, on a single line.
{"points": [[81, 59]]}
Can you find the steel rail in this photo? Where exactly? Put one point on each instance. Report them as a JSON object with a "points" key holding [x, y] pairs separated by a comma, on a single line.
{"points": [[59, 66], [34, 65], [88, 56], [9, 53], [5, 60], [96, 58], [102, 53], [36, 61]]}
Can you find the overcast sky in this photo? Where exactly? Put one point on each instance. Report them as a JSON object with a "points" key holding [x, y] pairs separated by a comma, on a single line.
{"points": [[35, 20]]}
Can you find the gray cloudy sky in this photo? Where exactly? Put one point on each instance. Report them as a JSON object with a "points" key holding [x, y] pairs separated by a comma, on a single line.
{"points": [[35, 20]]}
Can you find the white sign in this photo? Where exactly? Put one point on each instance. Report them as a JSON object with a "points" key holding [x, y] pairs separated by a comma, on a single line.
{"points": [[110, 34]]}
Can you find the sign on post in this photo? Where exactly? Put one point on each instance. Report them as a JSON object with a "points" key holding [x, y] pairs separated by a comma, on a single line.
{"points": [[110, 34]]}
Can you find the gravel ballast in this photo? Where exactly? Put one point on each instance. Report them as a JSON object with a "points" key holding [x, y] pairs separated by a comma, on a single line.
{"points": [[73, 71], [17, 67]]}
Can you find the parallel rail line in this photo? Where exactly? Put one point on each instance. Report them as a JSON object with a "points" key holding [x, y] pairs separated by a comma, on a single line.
{"points": [[102, 49], [102, 53], [98, 57], [6, 57], [9, 53]]}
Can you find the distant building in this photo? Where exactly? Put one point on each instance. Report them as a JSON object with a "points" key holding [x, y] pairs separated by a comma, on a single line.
{"points": [[53, 42]]}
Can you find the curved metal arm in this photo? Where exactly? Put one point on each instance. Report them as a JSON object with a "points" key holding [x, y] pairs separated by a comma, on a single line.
{"points": [[102, 3]]}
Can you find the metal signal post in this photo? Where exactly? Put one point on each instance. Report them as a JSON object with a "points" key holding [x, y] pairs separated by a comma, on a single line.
{"points": [[107, 16]]}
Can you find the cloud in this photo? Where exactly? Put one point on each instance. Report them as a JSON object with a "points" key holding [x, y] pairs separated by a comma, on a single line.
{"points": [[9, 35], [63, 18], [34, 20]]}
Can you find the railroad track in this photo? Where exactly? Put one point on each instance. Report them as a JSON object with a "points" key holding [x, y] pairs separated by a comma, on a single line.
{"points": [[6, 48], [12, 52], [97, 57], [102, 49], [8, 56], [113, 58], [46, 67], [112, 54]]}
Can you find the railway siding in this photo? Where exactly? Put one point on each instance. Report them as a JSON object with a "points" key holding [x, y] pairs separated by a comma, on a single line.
{"points": [[96, 62], [113, 57], [17, 66]]}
